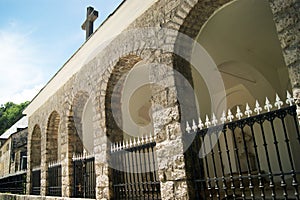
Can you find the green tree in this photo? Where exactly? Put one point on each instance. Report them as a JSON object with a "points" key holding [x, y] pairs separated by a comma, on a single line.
{"points": [[10, 113]]}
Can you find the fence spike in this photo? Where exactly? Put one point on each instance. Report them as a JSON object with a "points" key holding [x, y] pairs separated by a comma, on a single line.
{"points": [[120, 143], [143, 140], [115, 147], [207, 122], [289, 98], [214, 120], [278, 102], [200, 125], [130, 143], [127, 144], [146, 139], [248, 111], [188, 128], [239, 114], [257, 108], [138, 141], [194, 127], [150, 137], [230, 117], [223, 117], [268, 106], [134, 142]]}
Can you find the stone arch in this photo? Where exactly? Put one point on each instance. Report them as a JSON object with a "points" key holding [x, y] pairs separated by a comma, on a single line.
{"points": [[53, 138], [113, 96], [35, 154], [113, 101], [242, 73], [75, 122]]}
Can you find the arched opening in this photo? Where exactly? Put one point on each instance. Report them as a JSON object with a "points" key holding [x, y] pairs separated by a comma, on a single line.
{"points": [[76, 132], [53, 156], [35, 161], [36, 147], [129, 125], [82, 173], [87, 127], [53, 139], [113, 99], [242, 40]]}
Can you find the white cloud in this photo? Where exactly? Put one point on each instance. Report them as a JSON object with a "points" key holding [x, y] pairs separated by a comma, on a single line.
{"points": [[20, 65]]}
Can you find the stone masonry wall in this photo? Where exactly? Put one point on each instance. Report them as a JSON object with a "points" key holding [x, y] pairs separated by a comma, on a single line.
{"points": [[287, 20], [186, 16]]}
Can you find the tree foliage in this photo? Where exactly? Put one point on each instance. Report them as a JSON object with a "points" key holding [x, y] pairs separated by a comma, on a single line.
{"points": [[10, 113]]}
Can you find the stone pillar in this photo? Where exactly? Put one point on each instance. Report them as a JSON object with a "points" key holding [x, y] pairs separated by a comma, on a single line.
{"points": [[44, 162], [287, 20], [66, 163], [169, 146], [101, 149], [29, 166]]}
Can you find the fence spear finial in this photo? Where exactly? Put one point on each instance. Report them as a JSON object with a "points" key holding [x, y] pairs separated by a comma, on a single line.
{"points": [[230, 116], [257, 108], [239, 114], [214, 120], [188, 128], [223, 117], [289, 99], [207, 122], [194, 127], [248, 111], [200, 125], [278, 102], [268, 106]]}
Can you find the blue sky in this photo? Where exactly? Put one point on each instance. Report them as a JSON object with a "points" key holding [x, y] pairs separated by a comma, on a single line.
{"points": [[37, 38]]}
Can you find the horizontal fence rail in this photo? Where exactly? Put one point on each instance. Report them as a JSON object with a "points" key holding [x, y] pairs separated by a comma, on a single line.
{"points": [[15, 183], [54, 179], [84, 176], [135, 171], [36, 181], [251, 158]]}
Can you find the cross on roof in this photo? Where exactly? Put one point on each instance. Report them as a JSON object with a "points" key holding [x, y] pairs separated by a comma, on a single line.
{"points": [[88, 25]]}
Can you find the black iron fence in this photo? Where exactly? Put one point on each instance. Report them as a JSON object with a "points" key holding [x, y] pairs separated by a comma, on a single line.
{"points": [[252, 158], [135, 171], [15, 183], [84, 176], [54, 180], [36, 182]]}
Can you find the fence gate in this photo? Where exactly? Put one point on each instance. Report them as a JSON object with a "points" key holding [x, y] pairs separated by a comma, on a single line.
{"points": [[84, 177], [134, 170], [256, 157]]}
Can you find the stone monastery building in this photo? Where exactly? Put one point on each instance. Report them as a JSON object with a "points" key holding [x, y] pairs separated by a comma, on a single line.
{"points": [[167, 100]]}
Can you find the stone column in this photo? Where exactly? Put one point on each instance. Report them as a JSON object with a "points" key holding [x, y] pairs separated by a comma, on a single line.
{"points": [[169, 146], [66, 162], [101, 150], [44, 162], [29, 166], [287, 20]]}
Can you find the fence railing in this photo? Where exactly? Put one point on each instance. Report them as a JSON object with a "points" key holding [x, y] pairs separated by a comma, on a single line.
{"points": [[54, 179], [14, 183], [36, 181], [134, 169], [84, 176], [252, 157]]}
